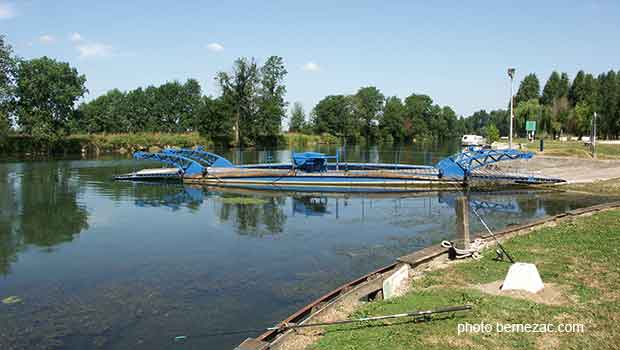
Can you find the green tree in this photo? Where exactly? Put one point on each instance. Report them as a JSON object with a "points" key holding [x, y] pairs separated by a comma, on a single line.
{"points": [[191, 100], [138, 110], [215, 120], [450, 128], [47, 91], [609, 104], [417, 116], [476, 122], [529, 110], [564, 88], [298, 118], [103, 114], [529, 89], [551, 90], [393, 119], [8, 73], [239, 89], [334, 115], [559, 116], [271, 103], [368, 106], [582, 116], [491, 133], [583, 89]]}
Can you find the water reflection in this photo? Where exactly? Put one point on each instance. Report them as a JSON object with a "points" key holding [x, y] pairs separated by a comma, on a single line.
{"points": [[310, 206], [174, 197], [260, 216], [40, 207]]}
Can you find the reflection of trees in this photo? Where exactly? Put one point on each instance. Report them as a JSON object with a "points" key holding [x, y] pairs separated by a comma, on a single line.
{"points": [[9, 242], [39, 208], [256, 216], [310, 206], [50, 212], [528, 205]]}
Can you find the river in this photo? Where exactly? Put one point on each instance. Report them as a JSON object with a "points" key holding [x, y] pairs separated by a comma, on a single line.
{"points": [[98, 264]]}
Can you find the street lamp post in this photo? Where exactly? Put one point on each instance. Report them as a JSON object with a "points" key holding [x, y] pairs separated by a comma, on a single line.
{"points": [[511, 74], [593, 137]]}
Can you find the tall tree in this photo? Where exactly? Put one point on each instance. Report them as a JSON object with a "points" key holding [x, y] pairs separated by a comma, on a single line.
{"points": [[8, 73], [582, 117], [298, 118], [529, 89], [564, 88], [551, 90], [104, 113], [501, 119], [393, 119], [138, 110], [417, 115], [368, 106], [47, 91], [529, 110], [447, 126], [239, 89], [215, 120], [608, 106], [334, 114], [271, 103], [191, 95]]}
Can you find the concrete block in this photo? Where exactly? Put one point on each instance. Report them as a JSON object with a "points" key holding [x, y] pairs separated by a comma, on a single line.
{"points": [[396, 283], [523, 276]]}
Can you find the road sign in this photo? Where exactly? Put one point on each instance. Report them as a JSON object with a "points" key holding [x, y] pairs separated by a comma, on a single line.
{"points": [[530, 125]]}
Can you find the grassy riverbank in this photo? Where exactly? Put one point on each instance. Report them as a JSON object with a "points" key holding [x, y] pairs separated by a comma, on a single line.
{"points": [[572, 149], [129, 142], [578, 259]]}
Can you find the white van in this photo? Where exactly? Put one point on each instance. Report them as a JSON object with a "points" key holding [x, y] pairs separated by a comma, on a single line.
{"points": [[473, 140]]}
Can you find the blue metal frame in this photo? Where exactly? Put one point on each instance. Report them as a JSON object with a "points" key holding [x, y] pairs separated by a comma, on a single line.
{"points": [[462, 164], [201, 156], [187, 165]]}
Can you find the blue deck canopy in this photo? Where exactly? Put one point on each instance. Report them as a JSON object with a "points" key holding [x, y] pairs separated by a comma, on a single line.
{"points": [[312, 161]]}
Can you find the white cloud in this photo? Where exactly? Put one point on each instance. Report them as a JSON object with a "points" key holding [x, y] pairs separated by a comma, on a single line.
{"points": [[47, 39], [311, 67], [76, 37], [215, 47], [7, 10], [94, 50]]}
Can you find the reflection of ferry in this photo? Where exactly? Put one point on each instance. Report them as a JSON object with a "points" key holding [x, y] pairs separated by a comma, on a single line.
{"points": [[311, 171]]}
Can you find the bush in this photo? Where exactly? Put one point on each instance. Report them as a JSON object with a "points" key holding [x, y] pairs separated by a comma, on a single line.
{"points": [[492, 133]]}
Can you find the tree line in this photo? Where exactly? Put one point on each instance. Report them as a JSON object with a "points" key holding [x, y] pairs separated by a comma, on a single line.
{"points": [[369, 115], [39, 98], [43, 98], [563, 107]]}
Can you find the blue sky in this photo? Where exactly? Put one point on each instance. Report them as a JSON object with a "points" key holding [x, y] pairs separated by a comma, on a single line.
{"points": [[457, 52]]}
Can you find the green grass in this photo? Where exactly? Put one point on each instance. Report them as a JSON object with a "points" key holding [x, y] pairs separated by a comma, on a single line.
{"points": [[143, 140], [294, 139], [572, 149], [581, 256]]}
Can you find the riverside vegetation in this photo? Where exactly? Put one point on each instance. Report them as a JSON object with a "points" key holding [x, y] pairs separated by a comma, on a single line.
{"points": [[569, 255], [42, 109]]}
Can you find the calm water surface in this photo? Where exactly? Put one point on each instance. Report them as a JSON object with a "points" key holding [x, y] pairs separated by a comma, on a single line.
{"points": [[111, 265]]}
